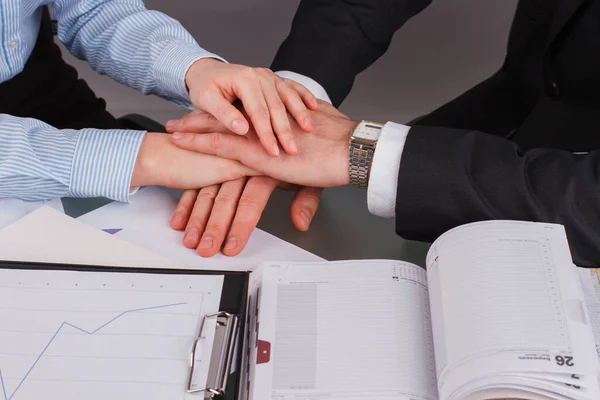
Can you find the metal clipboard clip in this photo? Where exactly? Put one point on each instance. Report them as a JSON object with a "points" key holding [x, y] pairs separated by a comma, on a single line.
{"points": [[221, 357]]}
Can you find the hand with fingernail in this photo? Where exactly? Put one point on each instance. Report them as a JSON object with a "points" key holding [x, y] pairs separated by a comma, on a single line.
{"points": [[266, 98], [223, 216], [322, 161], [159, 162]]}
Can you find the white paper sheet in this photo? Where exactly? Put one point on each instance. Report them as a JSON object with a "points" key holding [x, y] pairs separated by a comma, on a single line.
{"points": [[528, 321], [50, 236], [96, 335], [13, 209], [344, 330], [145, 222]]}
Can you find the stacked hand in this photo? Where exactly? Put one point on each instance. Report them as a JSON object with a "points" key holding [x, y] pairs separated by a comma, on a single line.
{"points": [[222, 217], [231, 152], [322, 158], [266, 98], [228, 213]]}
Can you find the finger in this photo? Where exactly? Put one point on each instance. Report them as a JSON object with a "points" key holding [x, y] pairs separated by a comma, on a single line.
{"points": [[197, 122], [199, 217], [279, 117], [251, 94], [307, 97], [214, 103], [250, 208], [295, 106], [304, 207], [184, 209], [221, 216]]}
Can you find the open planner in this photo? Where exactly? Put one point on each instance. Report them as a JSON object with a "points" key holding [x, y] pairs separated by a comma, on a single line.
{"points": [[500, 313]]}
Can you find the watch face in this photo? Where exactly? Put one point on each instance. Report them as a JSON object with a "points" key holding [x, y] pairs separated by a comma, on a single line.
{"points": [[368, 131]]}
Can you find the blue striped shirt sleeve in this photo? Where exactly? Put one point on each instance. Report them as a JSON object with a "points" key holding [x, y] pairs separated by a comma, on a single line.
{"points": [[40, 162], [146, 50]]}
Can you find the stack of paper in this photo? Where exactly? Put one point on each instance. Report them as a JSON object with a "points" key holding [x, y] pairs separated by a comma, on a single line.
{"points": [[136, 234], [114, 335]]}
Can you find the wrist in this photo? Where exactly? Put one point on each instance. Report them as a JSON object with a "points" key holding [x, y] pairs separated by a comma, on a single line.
{"points": [[149, 166], [198, 68]]}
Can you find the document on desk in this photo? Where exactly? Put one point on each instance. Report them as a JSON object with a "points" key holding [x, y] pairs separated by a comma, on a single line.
{"points": [[47, 235], [98, 335], [13, 209], [358, 329], [145, 223], [499, 313]]}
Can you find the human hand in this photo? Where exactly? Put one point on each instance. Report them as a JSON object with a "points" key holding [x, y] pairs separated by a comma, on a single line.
{"points": [[232, 209], [322, 159], [159, 162], [214, 85], [224, 216]]}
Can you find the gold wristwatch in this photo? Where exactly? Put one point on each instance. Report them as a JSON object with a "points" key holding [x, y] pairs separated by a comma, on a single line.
{"points": [[362, 147]]}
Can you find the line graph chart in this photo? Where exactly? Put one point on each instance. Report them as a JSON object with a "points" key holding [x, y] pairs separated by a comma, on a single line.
{"points": [[64, 324], [88, 335]]}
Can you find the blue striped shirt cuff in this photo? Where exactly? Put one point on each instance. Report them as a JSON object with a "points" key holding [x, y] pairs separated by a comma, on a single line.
{"points": [[171, 67], [103, 163]]}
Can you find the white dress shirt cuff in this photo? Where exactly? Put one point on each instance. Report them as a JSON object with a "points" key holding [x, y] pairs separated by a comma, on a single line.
{"points": [[171, 67], [383, 179], [103, 163], [313, 86]]}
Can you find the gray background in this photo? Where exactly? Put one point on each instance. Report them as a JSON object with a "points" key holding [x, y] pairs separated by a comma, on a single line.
{"points": [[437, 55]]}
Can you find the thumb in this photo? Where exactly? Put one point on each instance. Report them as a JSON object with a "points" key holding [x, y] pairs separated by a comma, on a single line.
{"points": [[304, 207]]}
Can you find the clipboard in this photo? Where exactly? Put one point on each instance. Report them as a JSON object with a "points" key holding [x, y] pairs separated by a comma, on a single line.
{"points": [[224, 379]]}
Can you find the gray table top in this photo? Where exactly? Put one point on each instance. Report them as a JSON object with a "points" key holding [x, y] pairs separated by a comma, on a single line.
{"points": [[342, 229]]}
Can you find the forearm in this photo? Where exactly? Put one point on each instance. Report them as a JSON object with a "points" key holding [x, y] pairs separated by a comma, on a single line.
{"points": [[146, 50], [451, 177], [332, 41], [38, 161], [434, 179]]}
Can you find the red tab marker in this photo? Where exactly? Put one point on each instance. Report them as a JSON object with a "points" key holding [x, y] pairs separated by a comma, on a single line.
{"points": [[263, 353]]}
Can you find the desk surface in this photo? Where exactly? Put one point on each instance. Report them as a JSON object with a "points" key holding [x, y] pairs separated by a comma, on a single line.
{"points": [[342, 229]]}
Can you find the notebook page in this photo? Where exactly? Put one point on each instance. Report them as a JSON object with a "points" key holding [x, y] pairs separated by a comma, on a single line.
{"points": [[357, 329], [590, 282], [505, 298]]}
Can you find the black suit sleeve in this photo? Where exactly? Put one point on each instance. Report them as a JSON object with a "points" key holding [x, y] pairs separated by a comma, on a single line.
{"points": [[449, 177], [332, 41]]}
